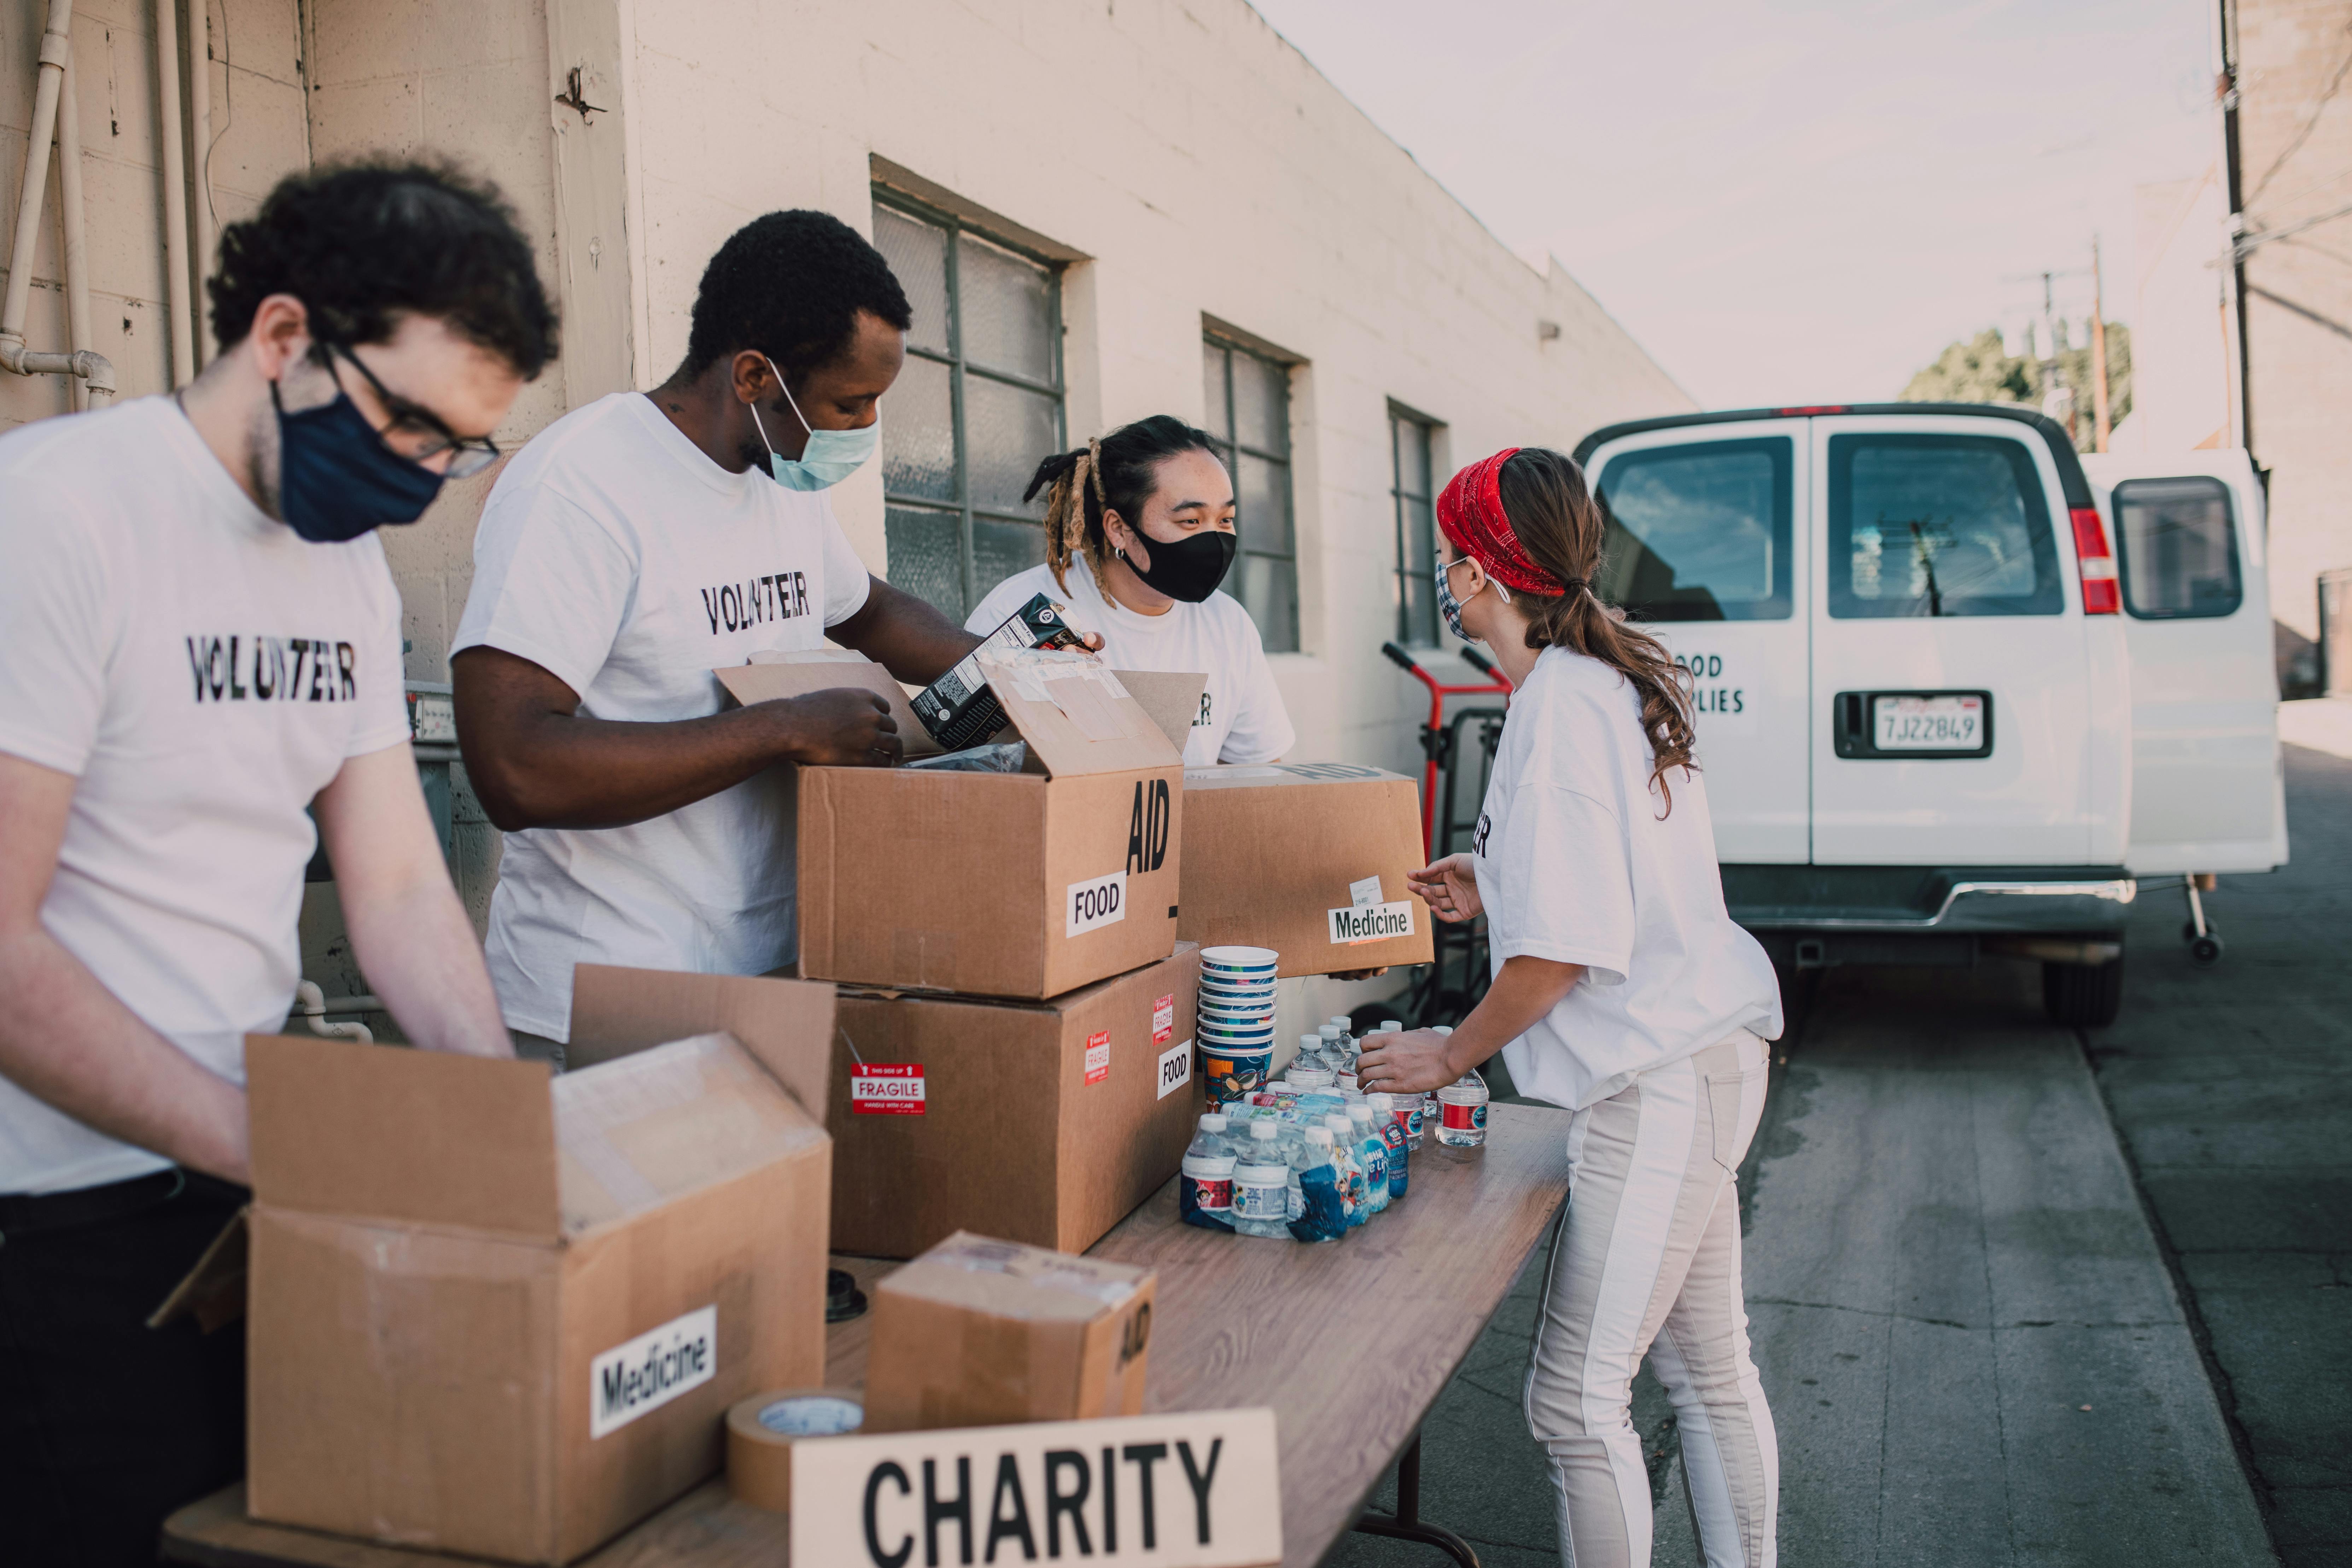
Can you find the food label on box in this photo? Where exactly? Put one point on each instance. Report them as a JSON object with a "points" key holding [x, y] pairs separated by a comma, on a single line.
{"points": [[1175, 1068], [1091, 905], [1098, 1056], [886, 1088], [1371, 922], [651, 1370], [1163, 1020]]}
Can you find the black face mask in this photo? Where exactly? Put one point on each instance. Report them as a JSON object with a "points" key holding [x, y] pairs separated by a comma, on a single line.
{"points": [[1189, 569]]}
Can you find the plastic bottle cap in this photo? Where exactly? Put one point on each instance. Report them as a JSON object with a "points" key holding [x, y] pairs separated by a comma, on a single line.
{"points": [[1319, 1136], [1380, 1102], [1331, 1031], [1340, 1022], [1360, 1113], [1265, 1131], [1213, 1122], [1309, 1042]]}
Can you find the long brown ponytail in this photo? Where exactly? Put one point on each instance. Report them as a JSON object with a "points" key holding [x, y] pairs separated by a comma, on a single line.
{"points": [[1562, 529]]}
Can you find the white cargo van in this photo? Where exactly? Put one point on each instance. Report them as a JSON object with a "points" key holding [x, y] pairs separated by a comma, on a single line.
{"points": [[1928, 691]]}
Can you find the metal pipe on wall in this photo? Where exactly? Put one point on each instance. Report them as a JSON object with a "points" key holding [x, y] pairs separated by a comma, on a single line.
{"points": [[56, 54], [72, 233], [200, 160], [175, 191]]}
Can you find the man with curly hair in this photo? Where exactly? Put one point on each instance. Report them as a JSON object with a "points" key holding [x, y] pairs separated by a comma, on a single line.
{"points": [[635, 546], [199, 639]]}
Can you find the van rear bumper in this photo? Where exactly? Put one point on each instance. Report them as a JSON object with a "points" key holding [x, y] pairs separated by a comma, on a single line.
{"points": [[1957, 901]]}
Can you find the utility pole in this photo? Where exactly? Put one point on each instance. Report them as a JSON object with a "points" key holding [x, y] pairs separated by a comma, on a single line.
{"points": [[2225, 92], [2099, 428], [2057, 398]]}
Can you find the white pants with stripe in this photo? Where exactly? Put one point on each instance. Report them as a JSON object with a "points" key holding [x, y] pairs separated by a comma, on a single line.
{"points": [[1646, 1258]]}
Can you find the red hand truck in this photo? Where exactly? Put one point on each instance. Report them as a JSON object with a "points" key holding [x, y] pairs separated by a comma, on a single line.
{"points": [[1438, 740]]}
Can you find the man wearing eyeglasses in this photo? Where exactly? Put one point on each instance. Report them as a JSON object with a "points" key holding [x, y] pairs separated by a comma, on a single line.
{"points": [[199, 639]]}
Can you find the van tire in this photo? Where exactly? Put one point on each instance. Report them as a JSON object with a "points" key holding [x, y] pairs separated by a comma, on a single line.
{"points": [[2082, 995]]}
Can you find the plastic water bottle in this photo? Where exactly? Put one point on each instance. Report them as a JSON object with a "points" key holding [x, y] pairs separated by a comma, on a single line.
{"points": [[1262, 1180], [1204, 1192], [1317, 1208], [1307, 1069], [1372, 1153], [1390, 1127], [1462, 1112], [1358, 1185]]}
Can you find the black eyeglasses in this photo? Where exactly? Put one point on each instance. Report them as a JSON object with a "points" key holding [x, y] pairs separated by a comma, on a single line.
{"points": [[472, 453]]}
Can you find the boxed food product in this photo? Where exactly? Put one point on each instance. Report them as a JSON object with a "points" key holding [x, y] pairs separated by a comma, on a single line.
{"points": [[1306, 857], [496, 1317], [1046, 1122], [979, 1332], [960, 709]]}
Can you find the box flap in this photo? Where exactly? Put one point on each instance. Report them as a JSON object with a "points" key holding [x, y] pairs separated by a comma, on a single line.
{"points": [[786, 1024], [388, 1132], [1172, 700], [1007, 1279], [1077, 717], [636, 1131], [797, 677]]}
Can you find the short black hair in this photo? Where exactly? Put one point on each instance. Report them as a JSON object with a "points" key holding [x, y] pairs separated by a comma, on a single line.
{"points": [[362, 244], [791, 284]]}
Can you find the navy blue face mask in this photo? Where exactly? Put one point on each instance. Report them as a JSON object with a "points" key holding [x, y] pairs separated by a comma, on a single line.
{"points": [[336, 477]]}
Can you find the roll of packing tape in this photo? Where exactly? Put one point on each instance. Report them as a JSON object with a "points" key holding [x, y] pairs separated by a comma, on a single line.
{"points": [[763, 1430]]}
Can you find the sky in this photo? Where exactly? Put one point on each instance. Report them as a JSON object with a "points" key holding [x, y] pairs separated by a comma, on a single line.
{"points": [[1795, 202]]}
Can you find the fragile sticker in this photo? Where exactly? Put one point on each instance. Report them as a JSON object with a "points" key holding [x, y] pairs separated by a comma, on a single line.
{"points": [[1371, 922], [648, 1372], [1163, 1020], [886, 1088], [1090, 906], [1175, 1068], [1098, 1056]]}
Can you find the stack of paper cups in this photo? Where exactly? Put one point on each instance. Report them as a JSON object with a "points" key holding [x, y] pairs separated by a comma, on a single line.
{"points": [[1235, 1020], [761, 1432]]}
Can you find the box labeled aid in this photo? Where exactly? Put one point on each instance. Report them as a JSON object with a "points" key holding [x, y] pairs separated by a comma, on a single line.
{"points": [[981, 1332], [959, 709]]}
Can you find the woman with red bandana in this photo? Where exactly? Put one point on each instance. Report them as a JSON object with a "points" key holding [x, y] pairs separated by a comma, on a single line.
{"points": [[1622, 991]]}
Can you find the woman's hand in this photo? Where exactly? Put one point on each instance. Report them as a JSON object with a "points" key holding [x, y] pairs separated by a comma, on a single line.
{"points": [[1413, 1062], [1450, 888]]}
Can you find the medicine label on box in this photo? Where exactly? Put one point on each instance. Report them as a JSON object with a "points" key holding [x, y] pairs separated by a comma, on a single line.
{"points": [[886, 1088], [1092, 905], [1371, 922], [1098, 1056], [651, 1370], [1175, 1068], [1163, 1020]]}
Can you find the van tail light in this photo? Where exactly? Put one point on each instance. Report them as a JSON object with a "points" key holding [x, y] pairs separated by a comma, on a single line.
{"points": [[2102, 595]]}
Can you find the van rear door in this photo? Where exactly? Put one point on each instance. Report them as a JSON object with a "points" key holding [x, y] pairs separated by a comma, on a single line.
{"points": [[2208, 792], [1964, 711], [1707, 549]]}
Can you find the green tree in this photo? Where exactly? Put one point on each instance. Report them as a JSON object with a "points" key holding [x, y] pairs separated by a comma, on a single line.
{"points": [[1978, 370]]}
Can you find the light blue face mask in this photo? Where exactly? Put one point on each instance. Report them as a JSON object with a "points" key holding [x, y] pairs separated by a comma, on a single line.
{"points": [[830, 456]]}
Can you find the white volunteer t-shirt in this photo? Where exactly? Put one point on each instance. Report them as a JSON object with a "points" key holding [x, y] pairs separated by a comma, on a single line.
{"points": [[615, 555], [203, 673], [1576, 865], [1242, 718]]}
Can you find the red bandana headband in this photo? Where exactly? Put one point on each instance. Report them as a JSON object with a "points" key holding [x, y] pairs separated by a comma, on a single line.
{"points": [[1471, 512]]}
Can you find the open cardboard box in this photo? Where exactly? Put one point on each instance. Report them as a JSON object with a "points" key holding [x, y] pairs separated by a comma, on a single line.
{"points": [[1308, 859], [1022, 885], [505, 1318]]}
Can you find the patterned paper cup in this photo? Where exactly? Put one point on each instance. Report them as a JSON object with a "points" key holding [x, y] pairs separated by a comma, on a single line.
{"points": [[1231, 1074], [1239, 962]]}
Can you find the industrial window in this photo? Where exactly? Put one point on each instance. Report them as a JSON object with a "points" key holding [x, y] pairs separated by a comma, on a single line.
{"points": [[2180, 553], [1410, 488], [1938, 525], [1699, 531], [976, 409], [1249, 415]]}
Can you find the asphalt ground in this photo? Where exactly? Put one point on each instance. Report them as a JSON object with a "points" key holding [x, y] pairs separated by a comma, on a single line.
{"points": [[2023, 1294]]}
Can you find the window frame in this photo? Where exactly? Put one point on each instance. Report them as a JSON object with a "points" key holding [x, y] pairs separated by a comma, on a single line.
{"points": [[1777, 448], [1410, 570], [1229, 444], [2049, 597], [958, 368], [2118, 499]]}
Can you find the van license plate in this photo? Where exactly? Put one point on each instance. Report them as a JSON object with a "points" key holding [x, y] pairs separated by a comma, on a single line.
{"points": [[1953, 723]]}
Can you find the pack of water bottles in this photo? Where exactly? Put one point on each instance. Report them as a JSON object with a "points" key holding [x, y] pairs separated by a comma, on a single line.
{"points": [[1312, 1157]]}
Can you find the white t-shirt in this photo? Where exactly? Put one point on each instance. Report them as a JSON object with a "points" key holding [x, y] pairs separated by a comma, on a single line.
{"points": [[202, 672], [1242, 719], [1576, 865], [615, 555]]}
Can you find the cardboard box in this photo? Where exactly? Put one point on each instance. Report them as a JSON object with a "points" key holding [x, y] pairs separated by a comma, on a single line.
{"points": [[978, 1332], [1308, 858], [1022, 884], [1046, 1122], [505, 1320]]}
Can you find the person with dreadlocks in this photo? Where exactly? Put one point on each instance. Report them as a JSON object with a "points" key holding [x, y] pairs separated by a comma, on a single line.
{"points": [[1622, 991], [1145, 516]]}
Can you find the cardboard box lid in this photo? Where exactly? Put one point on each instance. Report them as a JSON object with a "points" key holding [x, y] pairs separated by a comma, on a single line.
{"points": [[388, 1132], [1172, 700], [637, 1131], [824, 669], [1066, 1002], [1007, 1279], [787, 1025], [1076, 714]]}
